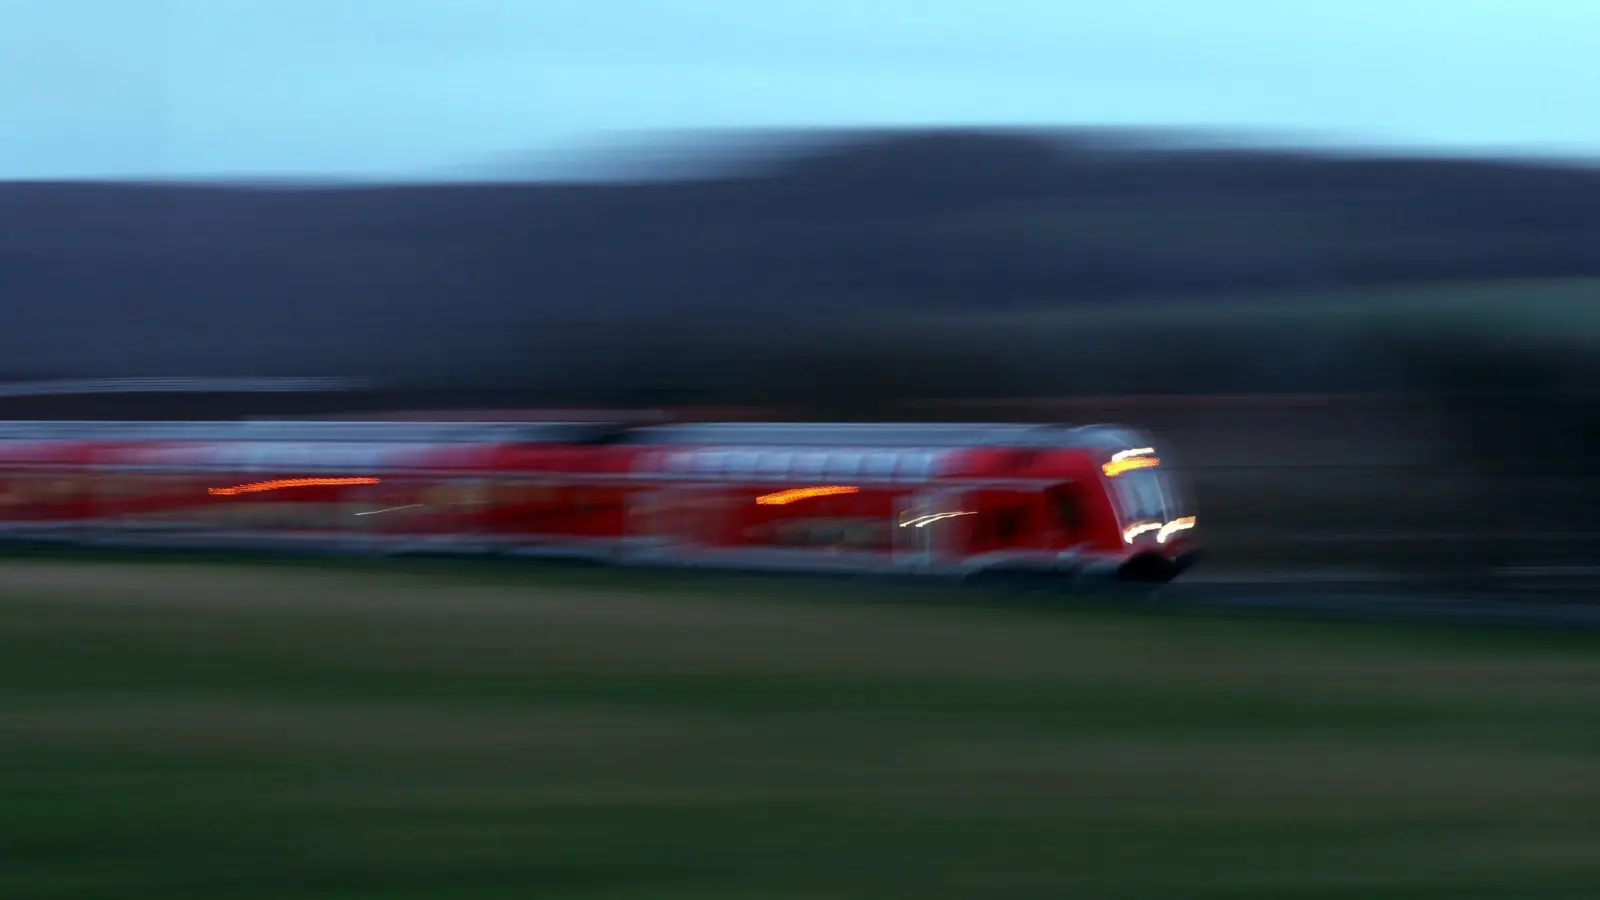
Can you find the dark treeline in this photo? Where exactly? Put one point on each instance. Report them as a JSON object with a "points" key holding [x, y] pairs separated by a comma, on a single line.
{"points": [[562, 285]]}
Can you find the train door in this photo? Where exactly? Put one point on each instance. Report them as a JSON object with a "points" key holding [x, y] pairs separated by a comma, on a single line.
{"points": [[642, 527], [655, 517], [676, 517], [923, 527]]}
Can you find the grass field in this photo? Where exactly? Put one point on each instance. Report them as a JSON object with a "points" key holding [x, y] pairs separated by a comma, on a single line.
{"points": [[369, 731]]}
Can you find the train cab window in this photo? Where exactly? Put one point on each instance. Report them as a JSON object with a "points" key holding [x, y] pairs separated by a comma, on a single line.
{"points": [[1141, 496]]}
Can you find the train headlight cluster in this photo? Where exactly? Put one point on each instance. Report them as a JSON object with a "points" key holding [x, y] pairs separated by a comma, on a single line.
{"points": [[1164, 531], [1173, 527], [1129, 460]]}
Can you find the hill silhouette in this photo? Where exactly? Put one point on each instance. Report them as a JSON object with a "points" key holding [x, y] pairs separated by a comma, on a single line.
{"points": [[541, 282]]}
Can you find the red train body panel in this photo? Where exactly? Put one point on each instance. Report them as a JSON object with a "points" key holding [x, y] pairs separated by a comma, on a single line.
{"points": [[934, 499]]}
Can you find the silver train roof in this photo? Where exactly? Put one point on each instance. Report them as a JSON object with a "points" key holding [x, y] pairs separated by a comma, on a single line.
{"points": [[409, 432], [800, 434], [896, 434]]}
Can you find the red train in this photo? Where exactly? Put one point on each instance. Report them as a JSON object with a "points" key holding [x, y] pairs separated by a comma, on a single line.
{"points": [[917, 498]]}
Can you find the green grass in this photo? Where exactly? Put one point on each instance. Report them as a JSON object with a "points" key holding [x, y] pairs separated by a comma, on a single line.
{"points": [[191, 729]]}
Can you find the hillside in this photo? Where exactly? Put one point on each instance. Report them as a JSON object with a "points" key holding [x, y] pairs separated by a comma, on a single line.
{"points": [[529, 283]]}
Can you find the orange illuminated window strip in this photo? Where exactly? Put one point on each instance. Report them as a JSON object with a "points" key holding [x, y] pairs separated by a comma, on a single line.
{"points": [[258, 486], [793, 494]]}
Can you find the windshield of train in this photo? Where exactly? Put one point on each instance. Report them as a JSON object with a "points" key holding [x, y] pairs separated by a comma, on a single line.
{"points": [[1144, 495]]}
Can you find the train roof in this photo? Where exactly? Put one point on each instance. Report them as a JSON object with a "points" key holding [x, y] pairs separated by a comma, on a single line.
{"points": [[799, 434], [271, 430], [895, 434]]}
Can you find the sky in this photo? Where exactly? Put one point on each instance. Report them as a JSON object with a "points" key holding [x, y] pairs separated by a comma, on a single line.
{"points": [[432, 89]]}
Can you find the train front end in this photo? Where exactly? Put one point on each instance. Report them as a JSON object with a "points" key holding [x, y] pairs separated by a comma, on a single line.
{"points": [[1155, 514]]}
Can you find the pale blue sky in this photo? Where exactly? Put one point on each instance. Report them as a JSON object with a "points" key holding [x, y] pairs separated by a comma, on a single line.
{"points": [[428, 88]]}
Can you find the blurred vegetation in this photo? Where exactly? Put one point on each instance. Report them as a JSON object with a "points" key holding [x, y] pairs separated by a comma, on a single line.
{"points": [[1520, 400], [1325, 342], [574, 287], [251, 732]]}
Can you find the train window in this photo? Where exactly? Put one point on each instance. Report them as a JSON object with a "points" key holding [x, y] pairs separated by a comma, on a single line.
{"points": [[810, 463], [843, 464], [29, 489], [774, 463], [18, 490], [590, 499], [517, 493], [881, 464], [1141, 495], [454, 494]]}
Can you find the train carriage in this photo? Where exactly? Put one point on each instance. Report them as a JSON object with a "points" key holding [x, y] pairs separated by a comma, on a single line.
{"points": [[41, 496], [951, 499], [933, 499], [327, 494]]}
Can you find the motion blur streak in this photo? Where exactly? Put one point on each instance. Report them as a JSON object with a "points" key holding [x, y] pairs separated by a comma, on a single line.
{"points": [[781, 498], [280, 483]]}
